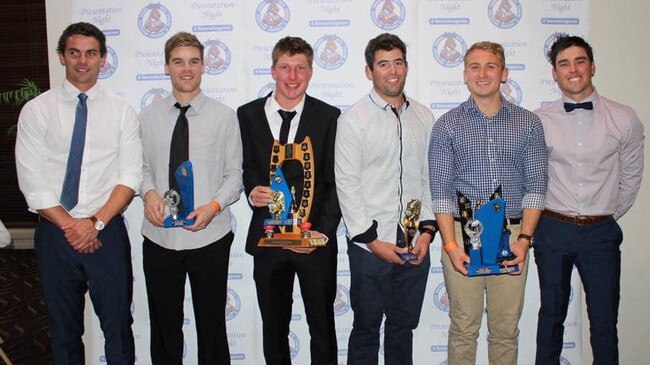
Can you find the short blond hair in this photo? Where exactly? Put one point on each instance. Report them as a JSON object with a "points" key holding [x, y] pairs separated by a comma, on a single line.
{"points": [[493, 47]]}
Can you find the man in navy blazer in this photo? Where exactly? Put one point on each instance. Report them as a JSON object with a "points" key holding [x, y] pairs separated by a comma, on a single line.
{"points": [[289, 115]]}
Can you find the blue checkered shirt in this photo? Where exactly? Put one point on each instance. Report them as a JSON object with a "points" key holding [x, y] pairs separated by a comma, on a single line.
{"points": [[474, 154]]}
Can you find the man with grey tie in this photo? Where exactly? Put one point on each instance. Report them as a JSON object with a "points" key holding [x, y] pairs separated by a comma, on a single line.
{"points": [[78, 159]]}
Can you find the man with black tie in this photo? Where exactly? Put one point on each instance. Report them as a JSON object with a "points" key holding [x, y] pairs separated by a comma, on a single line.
{"points": [[79, 163], [187, 125], [289, 115]]}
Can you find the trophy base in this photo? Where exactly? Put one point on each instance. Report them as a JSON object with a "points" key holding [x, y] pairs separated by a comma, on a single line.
{"points": [[291, 240], [408, 256], [175, 223], [491, 270]]}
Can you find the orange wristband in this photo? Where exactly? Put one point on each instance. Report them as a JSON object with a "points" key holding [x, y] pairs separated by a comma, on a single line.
{"points": [[450, 246], [215, 205]]}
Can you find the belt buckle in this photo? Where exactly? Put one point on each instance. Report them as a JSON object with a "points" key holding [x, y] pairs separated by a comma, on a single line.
{"points": [[582, 219]]}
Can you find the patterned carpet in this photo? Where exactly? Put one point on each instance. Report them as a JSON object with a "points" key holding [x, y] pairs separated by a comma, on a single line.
{"points": [[24, 325]]}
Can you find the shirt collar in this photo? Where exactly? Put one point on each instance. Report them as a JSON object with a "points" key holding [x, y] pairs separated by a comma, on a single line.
{"points": [[195, 104], [274, 106], [593, 98], [381, 103], [72, 92], [470, 105]]}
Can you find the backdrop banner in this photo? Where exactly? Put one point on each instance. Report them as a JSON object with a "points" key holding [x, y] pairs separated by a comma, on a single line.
{"points": [[239, 35]]}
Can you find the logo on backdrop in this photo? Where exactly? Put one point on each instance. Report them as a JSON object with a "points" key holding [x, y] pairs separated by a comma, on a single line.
{"points": [[505, 14], [294, 345], [342, 300], [272, 15], [110, 65], [217, 57], [512, 91], [387, 14], [549, 42], [154, 20], [152, 96], [440, 297], [564, 361], [233, 304], [448, 49], [331, 52], [444, 362], [266, 89]]}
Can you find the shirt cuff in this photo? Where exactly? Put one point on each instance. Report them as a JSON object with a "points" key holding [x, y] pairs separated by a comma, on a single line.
{"points": [[444, 206], [533, 201], [368, 236]]}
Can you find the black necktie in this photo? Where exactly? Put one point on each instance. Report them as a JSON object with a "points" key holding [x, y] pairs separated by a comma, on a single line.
{"points": [[70, 189], [286, 124], [569, 107], [179, 151]]}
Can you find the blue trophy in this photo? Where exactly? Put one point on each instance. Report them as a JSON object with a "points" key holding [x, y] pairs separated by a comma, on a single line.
{"points": [[185, 198], [487, 239]]}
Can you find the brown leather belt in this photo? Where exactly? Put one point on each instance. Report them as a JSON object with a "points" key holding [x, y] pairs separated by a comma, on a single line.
{"points": [[579, 219]]}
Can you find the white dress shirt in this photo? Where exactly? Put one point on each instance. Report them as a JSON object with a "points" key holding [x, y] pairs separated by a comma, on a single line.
{"points": [[112, 153], [381, 164], [271, 108], [595, 157]]}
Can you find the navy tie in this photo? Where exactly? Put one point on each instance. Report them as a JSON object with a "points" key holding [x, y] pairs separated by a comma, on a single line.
{"points": [[286, 124], [70, 190], [569, 107]]}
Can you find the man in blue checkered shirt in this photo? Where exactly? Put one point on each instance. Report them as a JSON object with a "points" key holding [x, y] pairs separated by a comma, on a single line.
{"points": [[484, 143]]}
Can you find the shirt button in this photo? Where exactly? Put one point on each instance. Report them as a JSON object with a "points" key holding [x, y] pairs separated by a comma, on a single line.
{"points": [[579, 143]]}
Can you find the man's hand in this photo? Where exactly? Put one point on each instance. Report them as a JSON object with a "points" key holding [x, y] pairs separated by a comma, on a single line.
{"points": [[458, 259], [154, 208], [421, 247], [260, 195], [387, 251], [306, 250], [519, 248], [202, 217], [81, 235]]}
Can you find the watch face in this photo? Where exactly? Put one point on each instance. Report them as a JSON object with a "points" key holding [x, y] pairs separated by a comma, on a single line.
{"points": [[99, 225]]}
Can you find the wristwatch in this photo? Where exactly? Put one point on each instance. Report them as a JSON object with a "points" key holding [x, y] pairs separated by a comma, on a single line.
{"points": [[529, 238], [99, 224]]}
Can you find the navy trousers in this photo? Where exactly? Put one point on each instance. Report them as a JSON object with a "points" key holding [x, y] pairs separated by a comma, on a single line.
{"points": [[106, 274], [595, 251], [378, 288]]}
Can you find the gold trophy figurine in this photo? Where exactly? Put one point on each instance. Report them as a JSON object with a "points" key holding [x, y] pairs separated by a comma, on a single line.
{"points": [[411, 223]]}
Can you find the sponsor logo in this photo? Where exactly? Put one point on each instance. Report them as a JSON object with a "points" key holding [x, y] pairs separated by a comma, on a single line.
{"points": [[233, 304], [342, 300], [387, 14], [448, 49], [504, 14], [154, 21], [152, 96], [110, 65], [440, 298], [331, 52], [272, 15], [217, 57]]}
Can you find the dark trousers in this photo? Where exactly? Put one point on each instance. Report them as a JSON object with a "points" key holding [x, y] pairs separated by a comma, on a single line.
{"points": [[274, 273], [378, 288], [106, 274], [165, 272], [595, 251]]}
